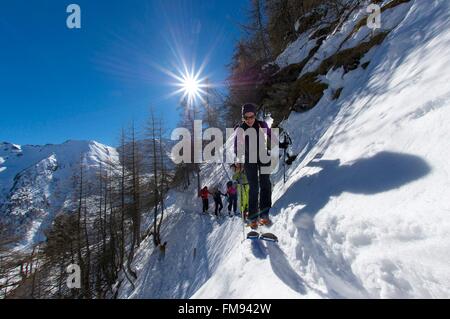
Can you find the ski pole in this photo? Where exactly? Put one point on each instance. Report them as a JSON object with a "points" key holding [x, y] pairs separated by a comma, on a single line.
{"points": [[284, 160], [242, 213], [284, 166], [223, 166]]}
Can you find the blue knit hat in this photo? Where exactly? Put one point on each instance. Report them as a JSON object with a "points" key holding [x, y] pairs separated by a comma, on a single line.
{"points": [[249, 107]]}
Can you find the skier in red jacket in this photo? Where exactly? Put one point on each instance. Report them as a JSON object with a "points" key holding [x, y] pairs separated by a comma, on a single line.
{"points": [[204, 193]]}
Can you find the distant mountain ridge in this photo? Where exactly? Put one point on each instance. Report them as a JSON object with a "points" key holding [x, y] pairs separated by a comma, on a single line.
{"points": [[37, 182]]}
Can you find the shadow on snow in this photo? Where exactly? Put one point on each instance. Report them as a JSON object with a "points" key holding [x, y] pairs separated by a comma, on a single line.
{"points": [[380, 173]]}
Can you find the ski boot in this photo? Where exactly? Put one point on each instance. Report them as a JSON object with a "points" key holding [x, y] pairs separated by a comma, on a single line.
{"points": [[265, 222]]}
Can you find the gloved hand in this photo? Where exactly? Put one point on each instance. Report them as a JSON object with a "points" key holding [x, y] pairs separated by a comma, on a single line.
{"points": [[284, 145]]}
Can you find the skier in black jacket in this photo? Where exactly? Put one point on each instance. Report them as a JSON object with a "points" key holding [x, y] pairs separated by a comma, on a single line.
{"points": [[217, 196], [259, 184]]}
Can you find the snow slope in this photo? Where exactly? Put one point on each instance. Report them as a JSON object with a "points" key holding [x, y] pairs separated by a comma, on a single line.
{"points": [[365, 212]]}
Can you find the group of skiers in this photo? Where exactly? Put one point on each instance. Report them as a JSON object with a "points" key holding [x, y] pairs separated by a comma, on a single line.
{"points": [[237, 188], [253, 188]]}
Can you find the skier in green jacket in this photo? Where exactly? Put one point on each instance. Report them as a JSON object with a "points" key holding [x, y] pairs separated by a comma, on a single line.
{"points": [[242, 187]]}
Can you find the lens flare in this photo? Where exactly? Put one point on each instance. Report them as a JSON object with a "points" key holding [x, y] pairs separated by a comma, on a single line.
{"points": [[191, 87], [189, 84]]}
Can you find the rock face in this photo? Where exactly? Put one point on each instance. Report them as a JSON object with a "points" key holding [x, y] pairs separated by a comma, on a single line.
{"points": [[297, 80]]}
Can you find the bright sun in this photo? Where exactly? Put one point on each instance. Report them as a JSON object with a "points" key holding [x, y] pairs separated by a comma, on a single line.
{"points": [[190, 85]]}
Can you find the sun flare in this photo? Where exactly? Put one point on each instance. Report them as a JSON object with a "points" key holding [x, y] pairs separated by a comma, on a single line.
{"points": [[191, 86]]}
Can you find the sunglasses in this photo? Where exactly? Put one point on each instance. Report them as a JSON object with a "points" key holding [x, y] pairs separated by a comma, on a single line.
{"points": [[249, 117]]}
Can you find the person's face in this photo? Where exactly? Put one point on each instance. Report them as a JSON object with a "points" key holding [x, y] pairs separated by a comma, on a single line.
{"points": [[249, 118]]}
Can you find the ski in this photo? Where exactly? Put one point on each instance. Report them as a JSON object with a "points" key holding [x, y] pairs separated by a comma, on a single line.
{"points": [[254, 235]]}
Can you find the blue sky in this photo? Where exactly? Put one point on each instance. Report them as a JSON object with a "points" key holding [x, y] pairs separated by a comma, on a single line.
{"points": [[58, 84]]}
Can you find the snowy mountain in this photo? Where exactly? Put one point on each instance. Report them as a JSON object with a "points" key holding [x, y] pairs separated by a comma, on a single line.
{"points": [[365, 211], [36, 182]]}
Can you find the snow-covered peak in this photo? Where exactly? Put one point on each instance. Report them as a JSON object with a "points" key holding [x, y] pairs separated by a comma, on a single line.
{"points": [[36, 181], [9, 147], [17, 158]]}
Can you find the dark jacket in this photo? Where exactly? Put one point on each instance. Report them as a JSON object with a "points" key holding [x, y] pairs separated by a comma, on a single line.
{"points": [[257, 126], [217, 195]]}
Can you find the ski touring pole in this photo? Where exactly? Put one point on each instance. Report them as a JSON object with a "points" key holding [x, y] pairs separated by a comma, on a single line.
{"points": [[284, 166], [240, 208], [226, 172]]}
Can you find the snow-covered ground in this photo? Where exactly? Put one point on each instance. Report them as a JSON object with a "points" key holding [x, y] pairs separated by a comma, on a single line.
{"points": [[365, 212]]}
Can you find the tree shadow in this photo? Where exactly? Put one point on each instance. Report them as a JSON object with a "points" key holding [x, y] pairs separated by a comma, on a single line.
{"points": [[382, 172]]}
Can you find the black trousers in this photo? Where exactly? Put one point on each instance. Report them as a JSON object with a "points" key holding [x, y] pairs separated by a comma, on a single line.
{"points": [[260, 188], [232, 203], [205, 205], [219, 206]]}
